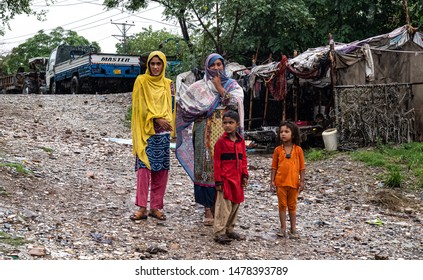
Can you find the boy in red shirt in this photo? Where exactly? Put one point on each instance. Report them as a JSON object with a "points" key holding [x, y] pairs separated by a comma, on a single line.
{"points": [[231, 177]]}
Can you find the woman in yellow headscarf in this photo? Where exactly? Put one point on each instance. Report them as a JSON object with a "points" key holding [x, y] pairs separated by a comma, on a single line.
{"points": [[151, 126]]}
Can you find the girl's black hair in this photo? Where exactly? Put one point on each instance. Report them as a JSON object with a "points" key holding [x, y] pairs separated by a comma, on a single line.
{"points": [[296, 139], [231, 114]]}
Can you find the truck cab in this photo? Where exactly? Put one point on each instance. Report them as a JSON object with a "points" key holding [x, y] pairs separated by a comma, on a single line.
{"points": [[50, 83]]}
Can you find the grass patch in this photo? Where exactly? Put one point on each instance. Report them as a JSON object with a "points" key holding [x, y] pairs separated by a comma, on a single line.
{"points": [[128, 117], [318, 154], [401, 162], [47, 150], [3, 191], [17, 166], [13, 241]]}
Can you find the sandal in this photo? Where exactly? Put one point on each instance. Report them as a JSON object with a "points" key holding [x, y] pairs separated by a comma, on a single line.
{"points": [[222, 239], [293, 234], [236, 236], [139, 215], [208, 221], [156, 213], [281, 234]]}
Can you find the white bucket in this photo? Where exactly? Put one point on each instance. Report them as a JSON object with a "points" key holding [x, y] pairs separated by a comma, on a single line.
{"points": [[330, 138]]}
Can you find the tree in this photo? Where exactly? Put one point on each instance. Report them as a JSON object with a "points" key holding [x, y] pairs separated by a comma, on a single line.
{"points": [[171, 44], [240, 28], [231, 26], [360, 19], [41, 45], [9, 9]]}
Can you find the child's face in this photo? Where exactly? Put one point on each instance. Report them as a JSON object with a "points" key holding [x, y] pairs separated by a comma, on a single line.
{"points": [[229, 125], [285, 134]]}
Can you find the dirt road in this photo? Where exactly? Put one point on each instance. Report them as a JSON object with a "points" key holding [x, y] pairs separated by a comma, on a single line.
{"points": [[76, 200]]}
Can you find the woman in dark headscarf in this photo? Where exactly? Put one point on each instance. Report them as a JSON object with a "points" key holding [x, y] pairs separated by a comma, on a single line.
{"points": [[199, 125]]}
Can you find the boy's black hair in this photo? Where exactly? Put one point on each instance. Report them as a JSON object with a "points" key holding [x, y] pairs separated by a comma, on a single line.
{"points": [[231, 114], [296, 139]]}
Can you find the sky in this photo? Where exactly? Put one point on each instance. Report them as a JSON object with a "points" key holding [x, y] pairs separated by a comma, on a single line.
{"points": [[89, 19]]}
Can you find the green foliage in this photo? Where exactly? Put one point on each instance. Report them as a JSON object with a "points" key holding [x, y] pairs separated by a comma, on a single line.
{"points": [[172, 45], [41, 45], [240, 28], [17, 166], [13, 241], [47, 150], [314, 154], [356, 20], [128, 117], [3, 191], [401, 162], [370, 158], [394, 178], [9, 9]]}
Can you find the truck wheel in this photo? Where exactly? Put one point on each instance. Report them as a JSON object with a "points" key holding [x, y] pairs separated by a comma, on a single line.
{"points": [[74, 85], [25, 89]]}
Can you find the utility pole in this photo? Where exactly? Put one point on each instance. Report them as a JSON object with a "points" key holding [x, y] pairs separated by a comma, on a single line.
{"points": [[125, 27]]}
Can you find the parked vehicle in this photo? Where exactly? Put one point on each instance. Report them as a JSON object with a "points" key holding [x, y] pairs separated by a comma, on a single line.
{"points": [[26, 82], [80, 69]]}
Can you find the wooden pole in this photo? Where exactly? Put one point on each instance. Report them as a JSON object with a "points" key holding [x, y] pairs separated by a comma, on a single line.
{"points": [[280, 93], [250, 113], [332, 67], [295, 97], [265, 105], [267, 94], [284, 104]]}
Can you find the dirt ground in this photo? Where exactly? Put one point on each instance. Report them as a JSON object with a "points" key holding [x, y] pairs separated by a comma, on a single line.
{"points": [[76, 199]]}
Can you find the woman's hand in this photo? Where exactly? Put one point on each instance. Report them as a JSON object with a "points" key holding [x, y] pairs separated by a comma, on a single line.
{"points": [[217, 82], [165, 124]]}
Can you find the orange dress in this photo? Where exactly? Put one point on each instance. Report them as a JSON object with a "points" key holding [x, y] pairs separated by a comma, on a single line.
{"points": [[288, 169]]}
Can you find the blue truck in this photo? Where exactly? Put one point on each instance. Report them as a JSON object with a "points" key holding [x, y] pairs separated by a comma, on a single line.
{"points": [[80, 69]]}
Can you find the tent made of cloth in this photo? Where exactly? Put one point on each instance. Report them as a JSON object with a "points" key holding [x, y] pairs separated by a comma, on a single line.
{"points": [[394, 57]]}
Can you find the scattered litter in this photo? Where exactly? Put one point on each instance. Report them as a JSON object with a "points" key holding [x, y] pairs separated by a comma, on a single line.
{"points": [[376, 222], [129, 141], [119, 140]]}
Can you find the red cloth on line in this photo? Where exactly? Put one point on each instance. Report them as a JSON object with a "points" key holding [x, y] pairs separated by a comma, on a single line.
{"points": [[277, 86]]}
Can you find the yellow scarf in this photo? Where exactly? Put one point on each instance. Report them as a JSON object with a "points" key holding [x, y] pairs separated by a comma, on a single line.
{"points": [[151, 99]]}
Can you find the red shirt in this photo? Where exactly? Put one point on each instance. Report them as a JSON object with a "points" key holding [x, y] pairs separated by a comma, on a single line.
{"points": [[230, 166]]}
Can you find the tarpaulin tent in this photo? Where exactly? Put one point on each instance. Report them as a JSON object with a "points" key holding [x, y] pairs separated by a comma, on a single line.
{"points": [[378, 85]]}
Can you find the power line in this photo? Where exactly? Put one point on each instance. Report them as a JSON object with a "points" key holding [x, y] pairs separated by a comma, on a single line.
{"points": [[124, 30], [90, 17], [11, 41]]}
